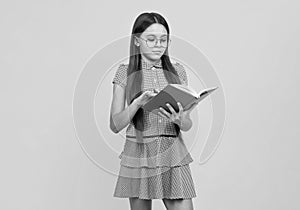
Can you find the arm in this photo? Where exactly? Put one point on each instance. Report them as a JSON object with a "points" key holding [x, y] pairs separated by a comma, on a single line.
{"points": [[120, 117]]}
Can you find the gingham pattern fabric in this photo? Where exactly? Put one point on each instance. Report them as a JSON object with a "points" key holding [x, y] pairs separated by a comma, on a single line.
{"points": [[173, 183], [153, 78], [162, 157]]}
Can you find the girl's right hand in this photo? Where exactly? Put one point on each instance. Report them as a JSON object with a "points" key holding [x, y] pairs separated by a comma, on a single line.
{"points": [[145, 97]]}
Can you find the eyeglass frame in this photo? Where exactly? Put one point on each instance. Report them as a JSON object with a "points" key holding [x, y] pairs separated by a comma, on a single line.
{"points": [[156, 41]]}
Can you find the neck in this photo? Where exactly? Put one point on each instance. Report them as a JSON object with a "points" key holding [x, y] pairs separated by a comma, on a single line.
{"points": [[149, 61]]}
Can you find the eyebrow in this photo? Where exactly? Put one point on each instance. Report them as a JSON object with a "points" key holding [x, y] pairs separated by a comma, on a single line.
{"points": [[155, 35]]}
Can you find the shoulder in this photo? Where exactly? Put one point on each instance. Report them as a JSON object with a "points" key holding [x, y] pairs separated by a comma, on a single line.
{"points": [[177, 64], [179, 67], [181, 71], [120, 76], [121, 70], [122, 67]]}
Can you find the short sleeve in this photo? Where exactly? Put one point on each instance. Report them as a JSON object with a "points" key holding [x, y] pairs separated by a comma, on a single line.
{"points": [[181, 73], [120, 77]]}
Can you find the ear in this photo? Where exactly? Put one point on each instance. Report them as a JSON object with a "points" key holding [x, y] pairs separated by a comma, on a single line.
{"points": [[136, 41]]}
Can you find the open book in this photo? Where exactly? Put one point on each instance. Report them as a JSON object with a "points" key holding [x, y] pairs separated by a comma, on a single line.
{"points": [[174, 93]]}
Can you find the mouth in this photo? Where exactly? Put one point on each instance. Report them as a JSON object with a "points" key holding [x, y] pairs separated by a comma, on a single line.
{"points": [[156, 51]]}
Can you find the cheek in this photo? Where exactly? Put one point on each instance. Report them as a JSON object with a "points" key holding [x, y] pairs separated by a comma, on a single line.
{"points": [[145, 49]]}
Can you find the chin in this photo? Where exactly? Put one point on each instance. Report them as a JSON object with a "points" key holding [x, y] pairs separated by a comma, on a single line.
{"points": [[157, 56], [154, 56]]}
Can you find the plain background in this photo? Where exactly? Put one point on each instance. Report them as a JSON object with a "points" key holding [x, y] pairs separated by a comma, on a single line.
{"points": [[254, 46]]}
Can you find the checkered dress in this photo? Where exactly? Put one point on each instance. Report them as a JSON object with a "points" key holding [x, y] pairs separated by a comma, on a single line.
{"points": [[158, 166]]}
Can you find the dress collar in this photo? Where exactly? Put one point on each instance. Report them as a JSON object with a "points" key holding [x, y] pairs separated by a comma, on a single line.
{"points": [[147, 65]]}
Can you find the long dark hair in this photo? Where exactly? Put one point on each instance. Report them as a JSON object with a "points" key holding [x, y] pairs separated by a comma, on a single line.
{"points": [[134, 74]]}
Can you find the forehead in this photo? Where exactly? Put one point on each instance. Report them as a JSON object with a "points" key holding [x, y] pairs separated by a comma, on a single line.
{"points": [[155, 29]]}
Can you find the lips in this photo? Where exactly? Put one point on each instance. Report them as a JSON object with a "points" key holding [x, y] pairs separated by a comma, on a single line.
{"points": [[156, 51]]}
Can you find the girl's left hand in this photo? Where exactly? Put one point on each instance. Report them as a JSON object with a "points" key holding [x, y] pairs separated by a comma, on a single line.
{"points": [[175, 117]]}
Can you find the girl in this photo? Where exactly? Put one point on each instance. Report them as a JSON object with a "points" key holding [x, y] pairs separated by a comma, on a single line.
{"points": [[155, 160]]}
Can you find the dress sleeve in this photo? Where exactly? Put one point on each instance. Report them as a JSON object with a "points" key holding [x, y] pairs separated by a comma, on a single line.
{"points": [[181, 73], [120, 77]]}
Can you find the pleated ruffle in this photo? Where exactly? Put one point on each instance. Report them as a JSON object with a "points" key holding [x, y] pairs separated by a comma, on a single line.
{"points": [[155, 183], [155, 152]]}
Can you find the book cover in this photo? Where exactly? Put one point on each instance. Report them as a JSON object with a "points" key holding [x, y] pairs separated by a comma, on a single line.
{"points": [[174, 93]]}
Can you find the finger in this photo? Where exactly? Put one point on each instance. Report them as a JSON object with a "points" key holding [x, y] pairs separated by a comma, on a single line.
{"points": [[180, 108], [164, 111], [146, 93], [162, 115], [151, 94], [171, 108]]}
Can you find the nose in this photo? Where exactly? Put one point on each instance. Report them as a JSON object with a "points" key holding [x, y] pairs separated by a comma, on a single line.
{"points": [[158, 41]]}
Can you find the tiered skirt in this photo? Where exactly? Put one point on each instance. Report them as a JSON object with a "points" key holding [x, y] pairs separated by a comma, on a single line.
{"points": [[155, 169]]}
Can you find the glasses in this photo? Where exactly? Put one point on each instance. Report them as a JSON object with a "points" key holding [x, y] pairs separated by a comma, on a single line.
{"points": [[151, 42]]}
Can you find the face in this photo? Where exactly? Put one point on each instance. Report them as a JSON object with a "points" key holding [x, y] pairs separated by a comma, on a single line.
{"points": [[154, 31]]}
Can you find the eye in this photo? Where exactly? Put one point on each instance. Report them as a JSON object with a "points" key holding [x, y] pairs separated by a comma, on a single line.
{"points": [[151, 40]]}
